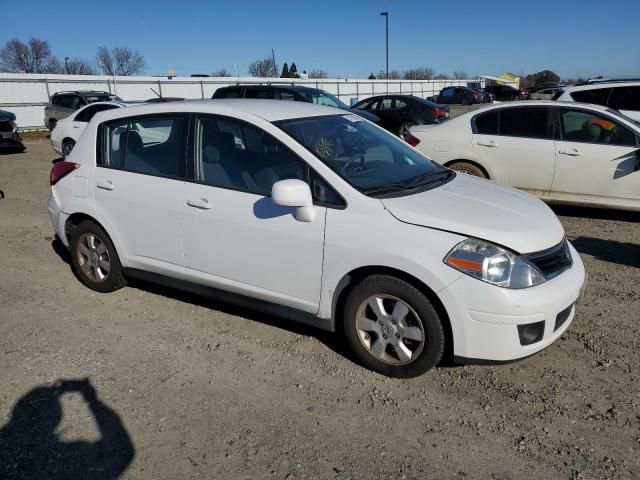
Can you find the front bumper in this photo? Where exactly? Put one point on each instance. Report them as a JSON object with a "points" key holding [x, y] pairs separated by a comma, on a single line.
{"points": [[10, 140], [485, 318]]}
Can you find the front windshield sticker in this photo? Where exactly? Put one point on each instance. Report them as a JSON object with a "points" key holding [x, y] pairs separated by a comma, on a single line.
{"points": [[353, 118]]}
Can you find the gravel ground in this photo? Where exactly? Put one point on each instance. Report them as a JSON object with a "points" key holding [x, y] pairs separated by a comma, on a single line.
{"points": [[182, 387]]}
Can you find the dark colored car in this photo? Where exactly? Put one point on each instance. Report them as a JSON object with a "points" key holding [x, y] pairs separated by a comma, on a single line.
{"points": [[63, 104], [485, 97], [9, 136], [399, 112], [506, 92], [459, 95], [296, 93], [164, 99]]}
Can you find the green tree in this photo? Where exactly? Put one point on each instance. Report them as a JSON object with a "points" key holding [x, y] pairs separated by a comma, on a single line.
{"points": [[293, 71], [285, 71], [372, 76]]}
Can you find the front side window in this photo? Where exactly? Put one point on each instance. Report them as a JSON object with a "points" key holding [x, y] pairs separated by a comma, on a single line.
{"points": [[528, 122], [235, 155], [387, 104], [152, 146], [368, 158], [599, 96], [625, 98], [447, 92], [589, 127], [289, 96]]}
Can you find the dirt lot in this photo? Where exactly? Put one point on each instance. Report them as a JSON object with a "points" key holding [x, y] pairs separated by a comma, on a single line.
{"points": [[187, 388]]}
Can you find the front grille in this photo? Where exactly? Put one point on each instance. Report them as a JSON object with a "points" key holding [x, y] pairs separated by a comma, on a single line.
{"points": [[553, 261], [562, 317], [6, 126]]}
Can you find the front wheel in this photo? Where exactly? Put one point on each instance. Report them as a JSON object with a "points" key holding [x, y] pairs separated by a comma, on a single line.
{"points": [[468, 168], [94, 258], [392, 327]]}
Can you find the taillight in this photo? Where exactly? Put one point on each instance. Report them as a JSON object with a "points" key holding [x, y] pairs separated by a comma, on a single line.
{"points": [[410, 139], [439, 112], [61, 169]]}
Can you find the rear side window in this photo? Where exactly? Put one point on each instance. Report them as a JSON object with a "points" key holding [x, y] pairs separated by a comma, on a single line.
{"points": [[152, 146], [528, 122], [447, 92], [599, 96], [87, 114], [259, 93], [625, 98], [487, 123], [227, 93], [284, 95]]}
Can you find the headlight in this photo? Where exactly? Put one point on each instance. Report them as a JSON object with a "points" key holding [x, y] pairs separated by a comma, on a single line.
{"points": [[493, 264]]}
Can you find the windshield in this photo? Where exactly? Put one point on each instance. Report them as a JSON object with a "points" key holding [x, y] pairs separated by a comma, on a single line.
{"points": [[618, 113], [323, 98], [370, 159]]}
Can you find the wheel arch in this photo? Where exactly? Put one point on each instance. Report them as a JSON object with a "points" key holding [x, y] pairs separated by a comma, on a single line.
{"points": [[351, 279], [77, 218], [472, 162]]}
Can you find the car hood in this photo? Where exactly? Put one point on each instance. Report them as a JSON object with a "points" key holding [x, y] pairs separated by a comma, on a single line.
{"points": [[364, 114], [482, 209], [5, 116]]}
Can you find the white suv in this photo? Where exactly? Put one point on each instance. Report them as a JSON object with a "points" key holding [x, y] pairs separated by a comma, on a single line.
{"points": [[620, 95], [322, 217]]}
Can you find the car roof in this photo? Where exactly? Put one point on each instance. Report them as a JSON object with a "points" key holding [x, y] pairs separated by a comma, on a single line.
{"points": [[269, 110], [599, 85], [119, 104], [299, 88], [532, 103], [85, 92]]}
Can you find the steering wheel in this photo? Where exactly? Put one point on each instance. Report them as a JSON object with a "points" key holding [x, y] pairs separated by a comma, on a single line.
{"points": [[346, 166]]}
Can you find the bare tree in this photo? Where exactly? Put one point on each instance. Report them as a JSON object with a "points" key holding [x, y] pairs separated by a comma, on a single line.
{"points": [[460, 75], [120, 61], [221, 73], [441, 76], [32, 57], [393, 75], [418, 74], [79, 66], [318, 73], [263, 68]]}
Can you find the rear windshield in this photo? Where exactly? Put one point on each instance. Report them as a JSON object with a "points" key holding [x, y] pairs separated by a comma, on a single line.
{"points": [[102, 98]]}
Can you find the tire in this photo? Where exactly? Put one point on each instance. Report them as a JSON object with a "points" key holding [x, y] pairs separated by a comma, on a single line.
{"points": [[468, 168], [90, 258], [67, 146], [403, 127], [415, 331]]}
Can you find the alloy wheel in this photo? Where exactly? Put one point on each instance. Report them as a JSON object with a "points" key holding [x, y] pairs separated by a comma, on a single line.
{"points": [[93, 257]]}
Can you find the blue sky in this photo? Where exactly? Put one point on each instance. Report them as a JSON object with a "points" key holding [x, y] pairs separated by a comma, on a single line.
{"points": [[571, 37]]}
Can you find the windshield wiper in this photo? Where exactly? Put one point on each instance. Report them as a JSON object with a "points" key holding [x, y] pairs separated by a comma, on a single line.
{"points": [[431, 178], [390, 187]]}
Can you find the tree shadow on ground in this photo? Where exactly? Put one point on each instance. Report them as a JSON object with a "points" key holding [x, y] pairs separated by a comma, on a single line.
{"points": [[30, 448], [609, 250], [596, 213]]}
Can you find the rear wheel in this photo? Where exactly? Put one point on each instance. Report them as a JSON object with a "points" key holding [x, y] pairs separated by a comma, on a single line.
{"points": [[67, 146], [94, 258], [468, 168], [392, 327]]}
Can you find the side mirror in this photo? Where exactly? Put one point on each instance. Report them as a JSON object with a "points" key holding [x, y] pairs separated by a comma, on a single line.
{"points": [[294, 193]]}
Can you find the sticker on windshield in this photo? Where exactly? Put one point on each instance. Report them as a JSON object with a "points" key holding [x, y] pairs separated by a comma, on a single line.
{"points": [[353, 118]]}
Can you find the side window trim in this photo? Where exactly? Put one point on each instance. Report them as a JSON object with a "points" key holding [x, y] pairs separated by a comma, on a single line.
{"points": [[129, 120], [192, 154]]}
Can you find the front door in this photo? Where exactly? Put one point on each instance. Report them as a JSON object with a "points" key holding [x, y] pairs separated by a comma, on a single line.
{"points": [[596, 156], [138, 189], [235, 237], [517, 145]]}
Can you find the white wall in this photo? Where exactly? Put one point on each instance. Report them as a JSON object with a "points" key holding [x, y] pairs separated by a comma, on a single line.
{"points": [[27, 94]]}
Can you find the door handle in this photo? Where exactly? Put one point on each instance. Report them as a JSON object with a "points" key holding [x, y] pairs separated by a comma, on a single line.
{"points": [[106, 185], [574, 152], [201, 203], [487, 143]]}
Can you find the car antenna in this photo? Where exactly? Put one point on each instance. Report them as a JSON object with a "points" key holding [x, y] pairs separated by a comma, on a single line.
{"points": [[159, 95]]}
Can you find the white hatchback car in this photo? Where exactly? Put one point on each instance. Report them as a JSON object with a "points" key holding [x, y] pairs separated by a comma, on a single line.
{"points": [[320, 216], [68, 130], [563, 152]]}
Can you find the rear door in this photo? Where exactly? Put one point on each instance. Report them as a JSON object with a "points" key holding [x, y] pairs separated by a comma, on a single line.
{"points": [[517, 145], [138, 187], [596, 156]]}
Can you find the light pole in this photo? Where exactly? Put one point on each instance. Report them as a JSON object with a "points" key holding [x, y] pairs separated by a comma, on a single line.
{"points": [[386, 27], [66, 64]]}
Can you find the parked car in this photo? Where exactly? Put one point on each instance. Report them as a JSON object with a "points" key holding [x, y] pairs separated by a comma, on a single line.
{"points": [[506, 92], [565, 153], [399, 112], [9, 136], [63, 104], [459, 95], [543, 94], [485, 97], [68, 130], [623, 95], [164, 99], [403, 257], [296, 93]]}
